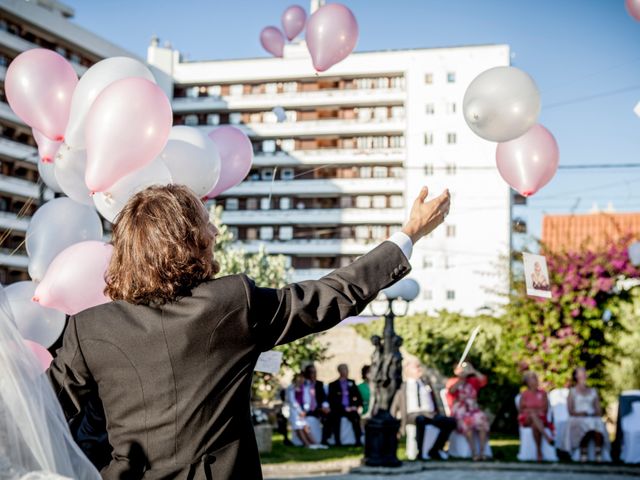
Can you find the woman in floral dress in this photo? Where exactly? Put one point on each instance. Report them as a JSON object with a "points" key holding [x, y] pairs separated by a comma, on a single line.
{"points": [[463, 398]]}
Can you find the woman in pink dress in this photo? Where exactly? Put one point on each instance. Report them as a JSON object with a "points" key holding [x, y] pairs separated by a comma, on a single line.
{"points": [[533, 408], [463, 397]]}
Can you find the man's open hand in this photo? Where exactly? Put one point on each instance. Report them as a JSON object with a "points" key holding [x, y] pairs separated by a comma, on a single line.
{"points": [[425, 217]]}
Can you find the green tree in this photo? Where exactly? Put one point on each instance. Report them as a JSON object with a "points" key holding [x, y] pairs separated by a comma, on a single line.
{"points": [[267, 271]]}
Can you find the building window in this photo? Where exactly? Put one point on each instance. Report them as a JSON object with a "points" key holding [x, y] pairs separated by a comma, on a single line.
{"points": [[365, 172], [287, 174], [428, 169], [362, 232], [285, 203], [191, 120], [285, 233], [271, 88], [452, 138], [288, 145], [364, 114], [396, 172], [252, 203], [266, 174], [379, 172], [363, 201], [214, 90], [379, 232], [266, 233], [379, 201], [427, 263], [235, 118], [265, 203], [233, 231], [428, 78], [450, 169], [427, 294], [381, 113], [430, 109], [451, 77], [451, 295], [451, 231], [213, 119], [290, 87], [397, 141], [231, 204], [428, 138], [397, 112], [252, 233], [192, 92], [396, 201], [268, 146], [236, 90], [74, 58], [451, 107], [346, 202]]}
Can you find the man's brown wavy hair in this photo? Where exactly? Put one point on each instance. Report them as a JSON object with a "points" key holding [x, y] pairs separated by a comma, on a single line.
{"points": [[162, 247]]}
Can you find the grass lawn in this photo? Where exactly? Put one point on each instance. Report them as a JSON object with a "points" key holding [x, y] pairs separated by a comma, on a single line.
{"points": [[504, 448]]}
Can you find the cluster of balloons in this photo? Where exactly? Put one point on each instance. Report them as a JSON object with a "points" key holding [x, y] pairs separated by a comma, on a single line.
{"points": [[502, 105], [100, 140], [331, 33]]}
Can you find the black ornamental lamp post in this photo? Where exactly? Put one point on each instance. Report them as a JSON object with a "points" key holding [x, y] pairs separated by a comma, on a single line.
{"points": [[381, 431]]}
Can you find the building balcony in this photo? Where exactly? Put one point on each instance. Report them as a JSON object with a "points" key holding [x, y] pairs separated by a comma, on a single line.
{"points": [[302, 274], [23, 188], [18, 44], [10, 221], [317, 98], [320, 127], [335, 156], [315, 216], [310, 247], [15, 260], [7, 114], [19, 150], [3, 73], [318, 187]]}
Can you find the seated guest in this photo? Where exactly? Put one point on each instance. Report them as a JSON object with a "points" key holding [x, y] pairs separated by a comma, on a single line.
{"points": [[344, 401], [534, 407], [416, 405], [463, 396], [299, 403], [365, 389], [585, 422], [319, 407]]}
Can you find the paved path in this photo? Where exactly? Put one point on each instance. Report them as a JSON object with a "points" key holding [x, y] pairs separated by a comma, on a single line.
{"points": [[479, 475]]}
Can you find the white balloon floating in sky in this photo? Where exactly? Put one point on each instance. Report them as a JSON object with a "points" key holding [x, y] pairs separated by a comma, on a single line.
{"points": [[501, 104]]}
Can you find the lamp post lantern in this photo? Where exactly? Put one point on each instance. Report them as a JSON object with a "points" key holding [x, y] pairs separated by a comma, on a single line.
{"points": [[381, 431]]}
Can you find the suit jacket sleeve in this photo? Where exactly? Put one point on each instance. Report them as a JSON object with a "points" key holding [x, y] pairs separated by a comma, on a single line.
{"points": [[279, 316], [69, 375]]}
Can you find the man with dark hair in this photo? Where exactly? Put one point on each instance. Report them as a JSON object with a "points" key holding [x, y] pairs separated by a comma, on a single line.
{"points": [[344, 401], [321, 406]]}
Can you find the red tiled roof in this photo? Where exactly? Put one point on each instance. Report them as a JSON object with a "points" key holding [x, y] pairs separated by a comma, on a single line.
{"points": [[591, 231]]}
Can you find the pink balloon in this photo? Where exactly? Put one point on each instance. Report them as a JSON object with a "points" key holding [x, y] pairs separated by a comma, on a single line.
{"points": [[39, 85], [127, 127], [272, 40], [633, 7], [293, 20], [42, 355], [47, 148], [75, 279], [529, 162], [236, 155], [332, 34]]}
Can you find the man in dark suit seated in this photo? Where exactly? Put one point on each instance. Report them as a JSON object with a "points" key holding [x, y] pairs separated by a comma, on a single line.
{"points": [[344, 400], [321, 410], [415, 404]]}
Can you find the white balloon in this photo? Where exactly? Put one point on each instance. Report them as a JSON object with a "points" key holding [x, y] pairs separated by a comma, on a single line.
{"points": [[34, 322], [192, 158], [56, 225], [94, 80], [46, 171], [70, 166], [110, 203], [501, 104]]}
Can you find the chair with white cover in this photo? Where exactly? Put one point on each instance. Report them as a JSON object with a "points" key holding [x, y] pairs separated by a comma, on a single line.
{"points": [[315, 428], [630, 423], [528, 451], [430, 436], [559, 411], [347, 436], [458, 445]]}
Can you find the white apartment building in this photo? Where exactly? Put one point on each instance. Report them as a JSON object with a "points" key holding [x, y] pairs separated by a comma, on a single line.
{"points": [[25, 25], [339, 174]]}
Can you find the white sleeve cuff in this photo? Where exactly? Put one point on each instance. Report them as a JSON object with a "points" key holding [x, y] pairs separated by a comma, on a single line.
{"points": [[403, 241]]}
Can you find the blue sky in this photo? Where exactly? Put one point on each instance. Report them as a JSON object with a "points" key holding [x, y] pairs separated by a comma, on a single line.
{"points": [[580, 52]]}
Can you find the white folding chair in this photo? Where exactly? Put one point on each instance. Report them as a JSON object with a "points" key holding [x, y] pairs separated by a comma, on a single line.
{"points": [[559, 411], [630, 451], [430, 436], [347, 437], [528, 451]]}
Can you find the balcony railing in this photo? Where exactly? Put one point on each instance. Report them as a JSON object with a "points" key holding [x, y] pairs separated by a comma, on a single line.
{"points": [[334, 155], [321, 247], [315, 187], [301, 274], [23, 188], [378, 96], [7, 114], [346, 216], [14, 149], [10, 221], [10, 259]]}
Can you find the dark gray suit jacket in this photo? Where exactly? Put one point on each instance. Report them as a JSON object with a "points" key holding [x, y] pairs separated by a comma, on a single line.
{"points": [[175, 380]]}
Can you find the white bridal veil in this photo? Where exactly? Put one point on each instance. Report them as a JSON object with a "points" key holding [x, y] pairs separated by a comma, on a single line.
{"points": [[35, 442]]}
